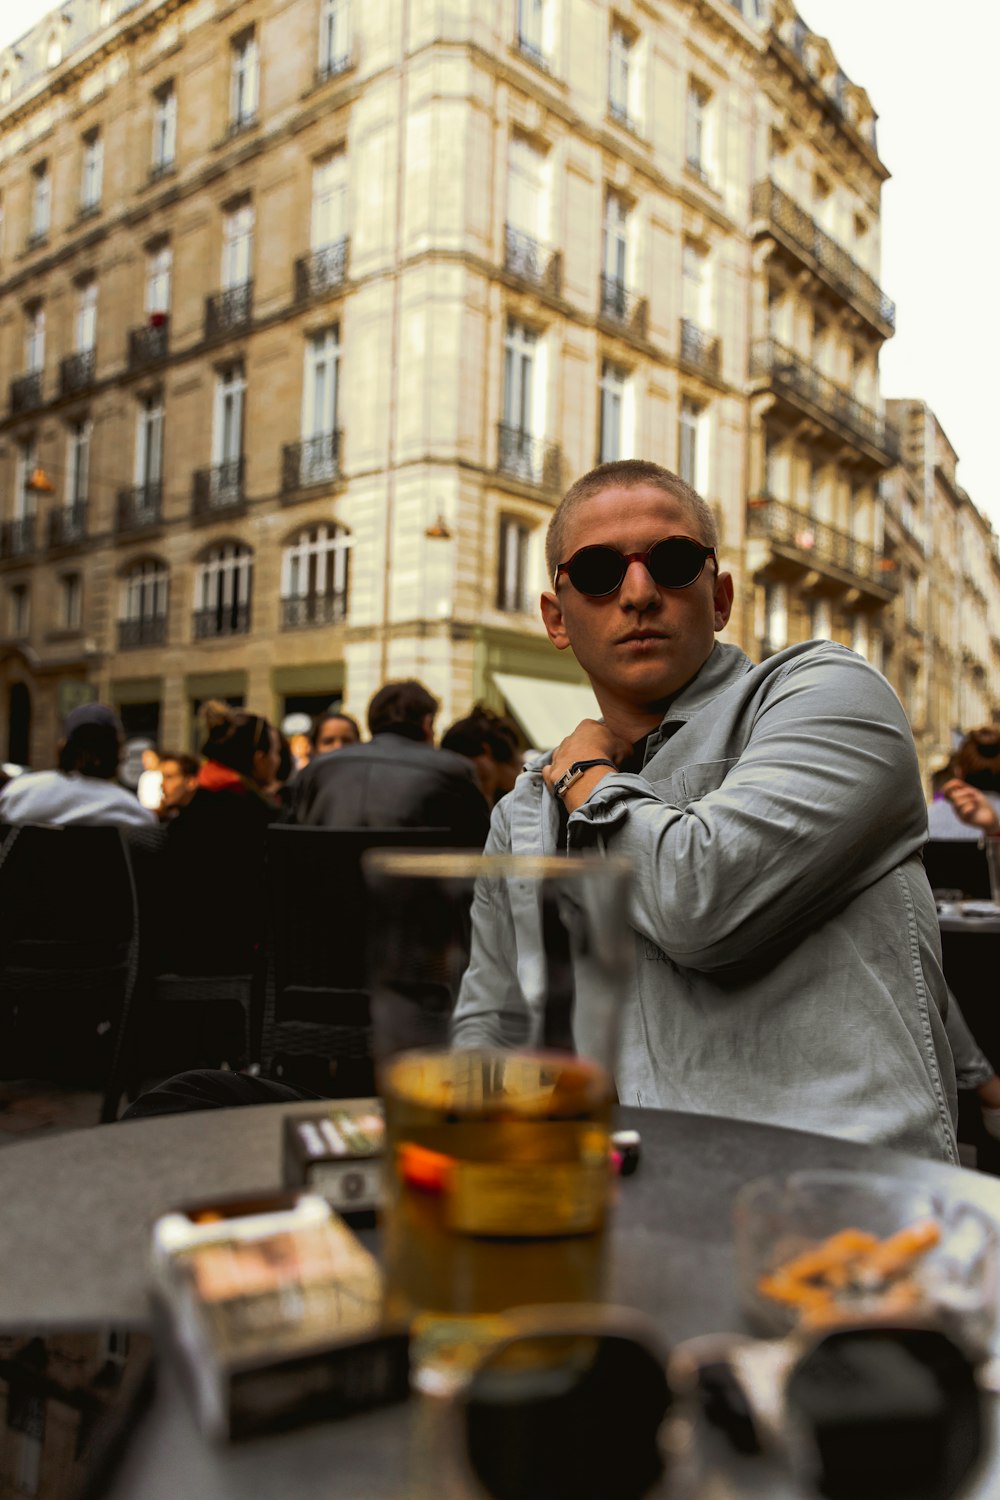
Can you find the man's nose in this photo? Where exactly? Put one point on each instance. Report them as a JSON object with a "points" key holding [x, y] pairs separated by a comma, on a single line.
{"points": [[638, 591]]}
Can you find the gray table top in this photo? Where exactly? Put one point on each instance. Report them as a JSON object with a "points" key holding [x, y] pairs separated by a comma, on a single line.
{"points": [[74, 1241]]}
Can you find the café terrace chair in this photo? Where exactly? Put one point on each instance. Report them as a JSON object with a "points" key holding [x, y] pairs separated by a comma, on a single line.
{"points": [[957, 865], [69, 936], [318, 1031]]}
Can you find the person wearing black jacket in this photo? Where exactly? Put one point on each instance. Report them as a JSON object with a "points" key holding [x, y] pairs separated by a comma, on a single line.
{"points": [[397, 779]]}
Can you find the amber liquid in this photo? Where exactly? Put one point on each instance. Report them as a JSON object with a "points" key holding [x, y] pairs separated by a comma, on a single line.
{"points": [[499, 1181]]}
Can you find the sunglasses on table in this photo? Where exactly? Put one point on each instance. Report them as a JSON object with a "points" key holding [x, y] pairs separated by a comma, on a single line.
{"points": [[674, 562]]}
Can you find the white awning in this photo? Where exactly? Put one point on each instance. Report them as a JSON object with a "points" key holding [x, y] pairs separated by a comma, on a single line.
{"points": [[547, 711]]}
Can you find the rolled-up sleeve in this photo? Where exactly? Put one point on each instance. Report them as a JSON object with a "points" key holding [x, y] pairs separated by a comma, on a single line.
{"points": [[823, 799]]}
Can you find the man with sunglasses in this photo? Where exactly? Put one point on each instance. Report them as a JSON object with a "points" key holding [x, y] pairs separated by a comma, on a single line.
{"points": [[787, 950]]}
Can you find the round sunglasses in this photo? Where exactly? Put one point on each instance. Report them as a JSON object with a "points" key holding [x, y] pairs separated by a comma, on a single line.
{"points": [[674, 562]]}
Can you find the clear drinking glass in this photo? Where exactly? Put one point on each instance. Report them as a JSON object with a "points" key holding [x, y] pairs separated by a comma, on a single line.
{"points": [[496, 986]]}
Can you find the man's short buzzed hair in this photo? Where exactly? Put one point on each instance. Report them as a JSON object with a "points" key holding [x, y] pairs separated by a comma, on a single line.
{"points": [[627, 474]]}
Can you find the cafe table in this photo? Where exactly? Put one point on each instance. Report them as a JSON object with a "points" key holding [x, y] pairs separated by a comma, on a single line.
{"points": [[74, 1246]]}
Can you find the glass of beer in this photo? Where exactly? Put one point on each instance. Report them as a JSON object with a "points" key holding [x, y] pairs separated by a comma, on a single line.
{"points": [[497, 984]]}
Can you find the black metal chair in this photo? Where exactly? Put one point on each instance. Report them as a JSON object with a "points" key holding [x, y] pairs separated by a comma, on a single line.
{"points": [[957, 865], [68, 951], [317, 1030]]}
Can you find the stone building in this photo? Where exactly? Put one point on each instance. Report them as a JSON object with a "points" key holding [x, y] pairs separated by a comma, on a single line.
{"points": [[310, 310]]}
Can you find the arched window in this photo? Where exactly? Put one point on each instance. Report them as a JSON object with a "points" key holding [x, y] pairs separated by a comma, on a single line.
{"points": [[142, 605], [314, 577], [222, 590]]}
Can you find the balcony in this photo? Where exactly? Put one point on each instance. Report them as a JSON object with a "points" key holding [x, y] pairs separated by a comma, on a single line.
{"points": [[148, 631], [322, 272], [701, 350], [229, 311], [26, 392], [315, 460], [218, 490], [138, 508], [68, 524], [532, 262], [17, 538], [530, 459], [77, 371], [815, 396], [222, 620], [620, 306], [149, 344], [313, 609], [808, 545], [776, 214]]}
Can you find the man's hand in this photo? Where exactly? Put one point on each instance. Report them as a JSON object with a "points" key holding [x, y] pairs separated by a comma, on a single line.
{"points": [[589, 741], [972, 805]]}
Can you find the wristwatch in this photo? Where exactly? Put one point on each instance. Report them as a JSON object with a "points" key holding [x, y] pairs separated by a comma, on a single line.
{"points": [[574, 773]]}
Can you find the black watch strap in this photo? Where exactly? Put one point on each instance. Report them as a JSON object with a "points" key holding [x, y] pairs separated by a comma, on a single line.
{"points": [[576, 770]]}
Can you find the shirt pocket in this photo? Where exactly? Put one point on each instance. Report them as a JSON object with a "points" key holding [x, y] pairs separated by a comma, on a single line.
{"points": [[695, 781]]}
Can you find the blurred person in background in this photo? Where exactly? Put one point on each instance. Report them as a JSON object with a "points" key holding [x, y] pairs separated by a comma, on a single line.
{"points": [[332, 731], [398, 779], [179, 782], [968, 803], [297, 730], [149, 788], [492, 744], [85, 789]]}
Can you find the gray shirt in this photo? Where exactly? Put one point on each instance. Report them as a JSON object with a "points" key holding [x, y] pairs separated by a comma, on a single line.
{"points": [[788, 962]]}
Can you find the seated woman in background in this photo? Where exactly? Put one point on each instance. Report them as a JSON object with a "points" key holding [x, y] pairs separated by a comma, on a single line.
{"points": [[974, 769]]}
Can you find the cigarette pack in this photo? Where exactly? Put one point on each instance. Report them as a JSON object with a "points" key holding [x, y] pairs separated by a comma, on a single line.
{"points": [[275, 1309], [338, 1153]]}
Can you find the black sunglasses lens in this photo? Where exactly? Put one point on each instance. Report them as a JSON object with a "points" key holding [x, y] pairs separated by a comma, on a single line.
{"points": [[597, 570], [676, 562]]}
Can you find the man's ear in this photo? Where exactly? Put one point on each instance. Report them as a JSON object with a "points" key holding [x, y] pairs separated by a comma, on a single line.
{"points": [[552, 619], [722, 600], [428, 727]]}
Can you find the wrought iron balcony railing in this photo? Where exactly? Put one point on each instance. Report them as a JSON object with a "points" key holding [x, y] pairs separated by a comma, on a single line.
{"points": [[621, 306], [700, 349], [17, 538], [322, 272], [139, 507], [26, 391], [77, 371], [530, 261], [148, 345], [823, 546], [814, 245], [219, 489], [528, 458], [223, 619], [151, 630], [802, 384], [313, 609], [229, 311], [68, 524], [315, 460]]}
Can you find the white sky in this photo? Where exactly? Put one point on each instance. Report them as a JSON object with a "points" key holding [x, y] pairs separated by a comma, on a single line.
{"points": [[930, 72]]}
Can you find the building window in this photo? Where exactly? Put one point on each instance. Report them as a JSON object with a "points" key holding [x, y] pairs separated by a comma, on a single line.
{"points": [[24, 495], [78, 454], [620, 70], [243, 80], [149, 442], [519, 395], [159, 265], [20, 610], [41, 201], [698, 131], [223, 586], [334, 38], [514, 550], [329, 201], [319, 395], [527, 184], [34, 339], [227, 427], [616, 218], [237, 246], [695, 284], [92, 175], [614, 386], [692, 463], [85, 329], [142, 604], [314, 577], [70, 601], [534, 29], [775, 617], [164, 127]]}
